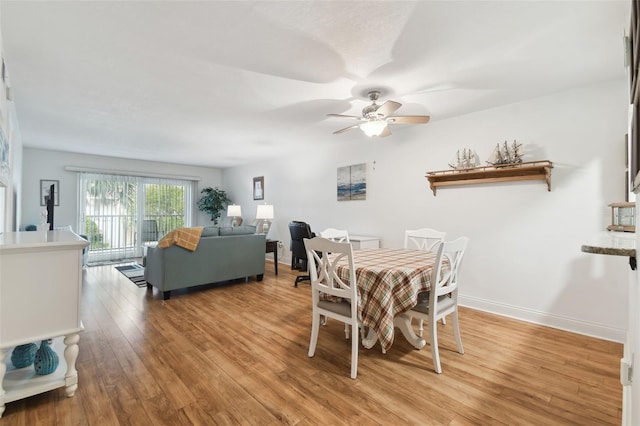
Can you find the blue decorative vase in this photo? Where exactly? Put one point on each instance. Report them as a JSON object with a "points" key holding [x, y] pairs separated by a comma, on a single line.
{"points": [[23, 355], [46, 359]]}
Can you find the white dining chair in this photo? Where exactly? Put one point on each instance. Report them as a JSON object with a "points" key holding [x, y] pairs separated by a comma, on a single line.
{"points": [[323, 255], [423, 239], [443, 296], [338, 235]]}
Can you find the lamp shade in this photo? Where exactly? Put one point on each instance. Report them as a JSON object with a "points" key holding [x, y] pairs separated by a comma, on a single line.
{"points": [[234, 210], [265, 211], [373, 127]]}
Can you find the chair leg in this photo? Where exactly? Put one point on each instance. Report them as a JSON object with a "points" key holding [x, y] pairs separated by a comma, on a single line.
{"points": [[433, 337], [300, 278], [315, 327], [420, 327], [456, 331], [354, 351], [346, 331]]}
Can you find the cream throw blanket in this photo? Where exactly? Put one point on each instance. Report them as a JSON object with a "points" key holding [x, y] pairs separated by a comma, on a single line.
{"points": [[187, 238]]}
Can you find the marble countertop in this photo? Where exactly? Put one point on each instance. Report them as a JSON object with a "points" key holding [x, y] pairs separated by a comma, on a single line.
{"points": [[612, 243]]}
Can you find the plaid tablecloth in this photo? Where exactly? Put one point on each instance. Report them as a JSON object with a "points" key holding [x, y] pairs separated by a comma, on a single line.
{"points": [[389, 281]]}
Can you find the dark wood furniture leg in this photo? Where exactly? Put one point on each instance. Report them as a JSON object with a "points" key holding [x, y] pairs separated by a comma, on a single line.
{"points": [[272, 247]]}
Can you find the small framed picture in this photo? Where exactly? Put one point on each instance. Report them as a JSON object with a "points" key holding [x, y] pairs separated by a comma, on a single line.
{"points": [[45, 188], [258, 188]]}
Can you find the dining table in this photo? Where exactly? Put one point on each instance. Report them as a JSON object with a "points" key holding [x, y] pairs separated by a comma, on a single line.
{"points": [[389, 282]]}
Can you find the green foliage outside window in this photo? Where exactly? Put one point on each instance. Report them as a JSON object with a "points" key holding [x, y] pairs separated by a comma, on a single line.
{"points": [[94, 235], [165, 205]]}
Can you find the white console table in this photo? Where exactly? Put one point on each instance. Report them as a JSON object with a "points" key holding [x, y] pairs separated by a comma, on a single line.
{"points": [[359, 242], [40, 292]]}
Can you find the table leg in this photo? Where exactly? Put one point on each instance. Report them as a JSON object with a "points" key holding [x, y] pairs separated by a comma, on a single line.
{"points": [[275, 260], [370, 339], [403, 322], [70, 356]]}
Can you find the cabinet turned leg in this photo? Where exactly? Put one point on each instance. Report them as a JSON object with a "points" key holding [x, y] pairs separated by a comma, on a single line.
{"points": [[3, 370], [70, 356]]}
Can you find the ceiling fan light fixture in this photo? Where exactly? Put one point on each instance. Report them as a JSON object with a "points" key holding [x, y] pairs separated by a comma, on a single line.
{"points": [[373, 127]]}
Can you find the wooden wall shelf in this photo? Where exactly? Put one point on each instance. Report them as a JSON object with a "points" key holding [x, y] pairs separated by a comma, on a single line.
{"points": [[532, 170]]}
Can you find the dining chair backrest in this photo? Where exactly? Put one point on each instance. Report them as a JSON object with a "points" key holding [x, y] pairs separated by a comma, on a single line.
{"points": [[338, 235], [443, 296], [332, 296], [448, 260], [324, 255], [423, 239]]}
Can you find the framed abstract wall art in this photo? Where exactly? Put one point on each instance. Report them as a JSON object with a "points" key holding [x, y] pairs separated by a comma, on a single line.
{"points": [[352, 182]]}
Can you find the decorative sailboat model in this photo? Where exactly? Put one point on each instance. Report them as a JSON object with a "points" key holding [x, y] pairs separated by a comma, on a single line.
{"points": [[465, 159], [506, 155]]}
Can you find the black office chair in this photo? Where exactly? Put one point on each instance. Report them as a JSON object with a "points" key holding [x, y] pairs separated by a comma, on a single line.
{"points": [[299, 231]]}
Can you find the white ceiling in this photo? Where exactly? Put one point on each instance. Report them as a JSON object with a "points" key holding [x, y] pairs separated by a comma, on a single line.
{"points": [[220, 84]]}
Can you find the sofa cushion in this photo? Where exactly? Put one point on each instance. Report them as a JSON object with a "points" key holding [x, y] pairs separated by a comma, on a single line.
{"points": [[237, 230], [211, 231]]}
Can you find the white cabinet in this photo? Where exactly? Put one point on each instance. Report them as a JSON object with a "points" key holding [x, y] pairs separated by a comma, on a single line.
{"points": [[624, 244], [359, 242], [40, 289]]}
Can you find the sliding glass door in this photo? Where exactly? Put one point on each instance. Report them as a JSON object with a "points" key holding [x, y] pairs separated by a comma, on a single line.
{"points": [[122, 214]]}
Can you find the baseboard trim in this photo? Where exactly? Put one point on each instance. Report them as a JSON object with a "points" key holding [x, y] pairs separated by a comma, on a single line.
{"points": [[544, 318]]}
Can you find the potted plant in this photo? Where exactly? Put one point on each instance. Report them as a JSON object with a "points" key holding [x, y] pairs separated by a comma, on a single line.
{"points": [[212, 202]]}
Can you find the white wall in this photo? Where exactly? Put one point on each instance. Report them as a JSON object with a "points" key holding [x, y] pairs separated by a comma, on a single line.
{"points": [[10, 187], [50, 165], [524, 258]]}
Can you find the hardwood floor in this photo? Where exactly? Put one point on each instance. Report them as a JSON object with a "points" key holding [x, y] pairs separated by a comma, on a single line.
{"points": [[237, 354]]}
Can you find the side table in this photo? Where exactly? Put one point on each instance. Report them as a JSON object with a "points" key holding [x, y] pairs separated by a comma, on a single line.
{"points": [[359, 242], [272, 247]]}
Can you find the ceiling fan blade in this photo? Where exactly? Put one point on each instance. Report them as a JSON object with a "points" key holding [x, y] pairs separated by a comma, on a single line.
{"points": [[387, 108], [355, 126], [385, 132], [353, 117], [409, 119]]}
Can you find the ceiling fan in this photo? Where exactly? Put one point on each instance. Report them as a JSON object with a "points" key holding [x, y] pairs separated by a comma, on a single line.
{"points": [[375, 118]]}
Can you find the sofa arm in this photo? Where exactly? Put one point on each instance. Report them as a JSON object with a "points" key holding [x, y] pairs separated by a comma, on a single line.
{"points": [[153, 270]]}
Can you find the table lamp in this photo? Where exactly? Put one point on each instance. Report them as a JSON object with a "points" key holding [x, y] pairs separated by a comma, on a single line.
{"points": [[265, 212], [234, 211]]}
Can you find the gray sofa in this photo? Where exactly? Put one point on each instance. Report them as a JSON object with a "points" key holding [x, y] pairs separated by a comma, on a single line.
{"points": [[223, 253]]}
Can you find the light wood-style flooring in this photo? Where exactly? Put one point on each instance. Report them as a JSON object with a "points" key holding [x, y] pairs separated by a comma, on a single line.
{"points": [[237, 354]]}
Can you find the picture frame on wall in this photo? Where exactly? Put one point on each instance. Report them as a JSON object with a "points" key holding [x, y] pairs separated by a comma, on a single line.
{"points": [[628, 181], [45, 186], [258, 188], [352, 182]]}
